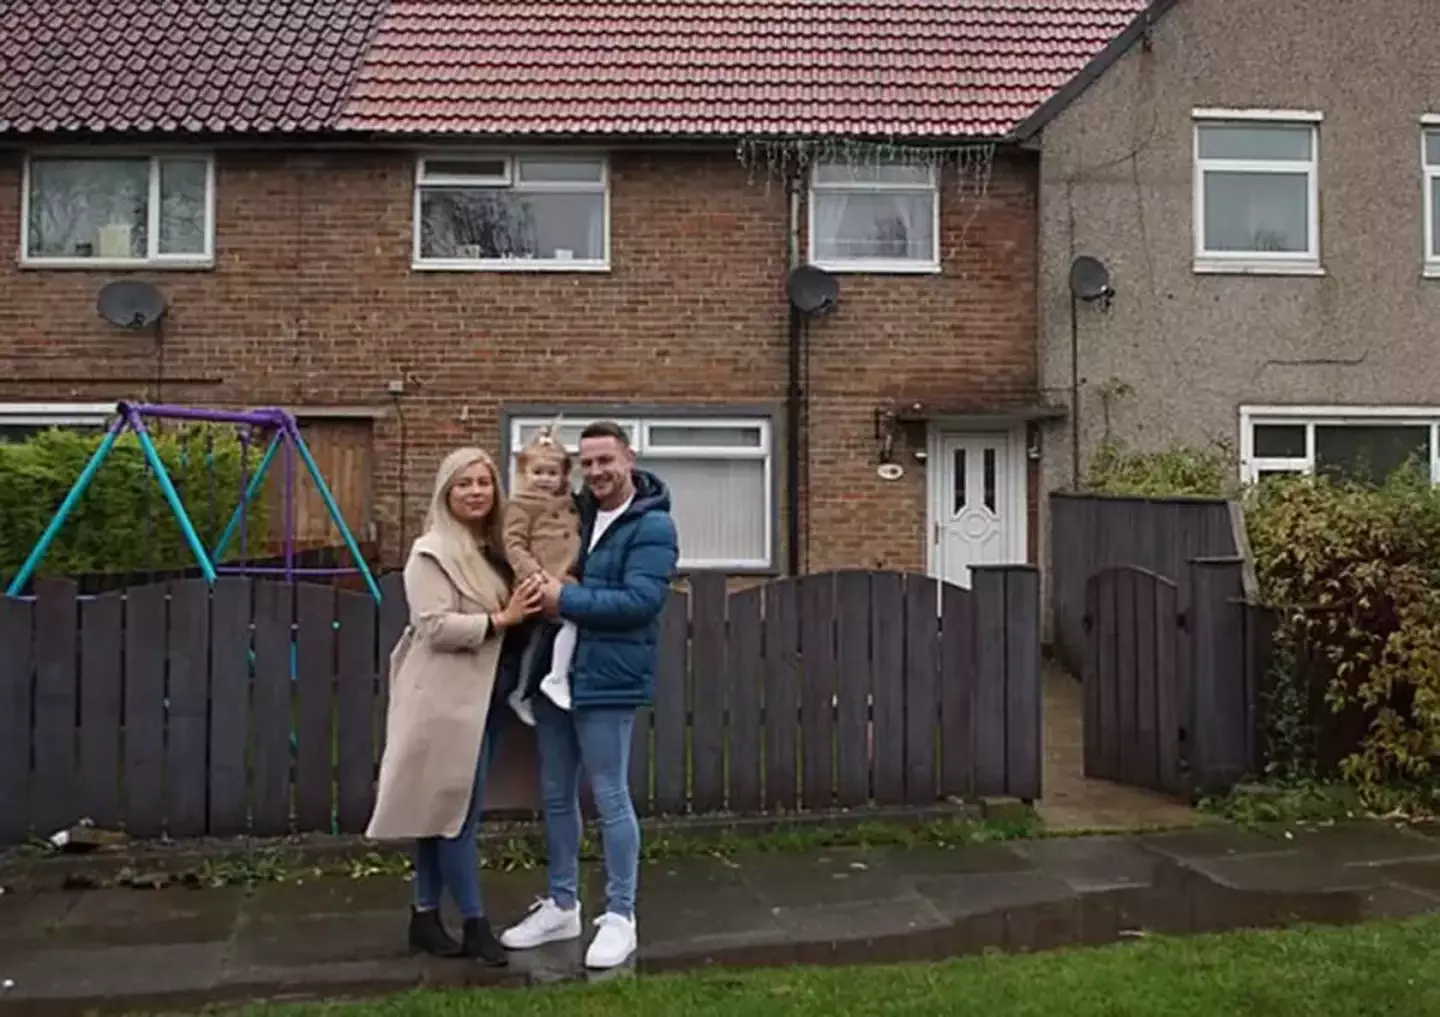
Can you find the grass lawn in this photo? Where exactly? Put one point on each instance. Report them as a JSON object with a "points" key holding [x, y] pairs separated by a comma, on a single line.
{"points": [[1381, 968]]}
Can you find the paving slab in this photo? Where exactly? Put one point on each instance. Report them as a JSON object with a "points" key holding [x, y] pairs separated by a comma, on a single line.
{"points": [[834, 877], [1364, 843], [1419, 876], [23, 915], [313, 898], [1289, 871], [1091, 864], [868, 920], [1214, 842], [84, 974], [142, 917], [698, 905], [964, 896]]}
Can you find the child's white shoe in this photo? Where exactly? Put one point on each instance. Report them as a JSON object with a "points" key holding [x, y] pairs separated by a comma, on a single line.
{"points": [[522, 707], [557, 690]]}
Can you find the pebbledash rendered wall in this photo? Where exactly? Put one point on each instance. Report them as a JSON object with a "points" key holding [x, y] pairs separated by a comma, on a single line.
{"points": [[312, 301]]}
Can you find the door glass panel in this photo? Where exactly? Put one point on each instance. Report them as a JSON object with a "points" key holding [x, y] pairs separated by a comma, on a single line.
{"points": [[990, 479], [1370, 453], [961, 496]]}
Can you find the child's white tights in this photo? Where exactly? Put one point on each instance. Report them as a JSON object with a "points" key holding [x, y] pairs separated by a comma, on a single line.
{"points": [[556, 685]]}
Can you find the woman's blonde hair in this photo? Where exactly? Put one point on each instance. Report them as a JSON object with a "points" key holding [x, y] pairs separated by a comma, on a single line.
{"points": [[440, 521]]}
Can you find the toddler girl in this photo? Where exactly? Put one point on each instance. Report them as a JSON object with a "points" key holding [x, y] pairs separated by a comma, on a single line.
{"points": [[542, 534]]}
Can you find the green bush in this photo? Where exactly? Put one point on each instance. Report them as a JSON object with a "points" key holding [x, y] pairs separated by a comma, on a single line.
{"points": [[1354, 574], [1211, 471], [122, 523]]}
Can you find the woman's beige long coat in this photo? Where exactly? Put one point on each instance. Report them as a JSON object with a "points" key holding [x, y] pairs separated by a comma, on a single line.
{"points": [[442, 672]]}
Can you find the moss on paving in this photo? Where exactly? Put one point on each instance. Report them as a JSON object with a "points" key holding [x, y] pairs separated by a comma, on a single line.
{"points": [[1373, 969]]}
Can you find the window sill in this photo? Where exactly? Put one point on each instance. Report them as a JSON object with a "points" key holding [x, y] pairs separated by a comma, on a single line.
{"points": [[1431, 271], [116, 264], [878, 267], [1210, 266], [710, 568], [513, 265]]}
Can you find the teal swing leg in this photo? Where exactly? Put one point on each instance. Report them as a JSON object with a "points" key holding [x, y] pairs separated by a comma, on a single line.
{"points": [[251, 489], [360, 564], [37, 553], [207, 569]]}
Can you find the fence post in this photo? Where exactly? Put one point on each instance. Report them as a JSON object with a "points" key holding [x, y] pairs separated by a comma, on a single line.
{"points": [[16, 683], [1007, 680], [1221, 685]]}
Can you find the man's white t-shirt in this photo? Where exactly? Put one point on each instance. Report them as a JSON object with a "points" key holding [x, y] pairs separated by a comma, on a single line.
{"points": [[604, 518]]}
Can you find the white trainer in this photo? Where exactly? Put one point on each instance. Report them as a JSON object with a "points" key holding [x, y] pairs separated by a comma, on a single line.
{"points": [[613, 944], [547, 922], [557, 690], [522, 708]]}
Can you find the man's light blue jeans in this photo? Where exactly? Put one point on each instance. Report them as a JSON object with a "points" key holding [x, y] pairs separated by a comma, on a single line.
{"points": [[599, 741]]}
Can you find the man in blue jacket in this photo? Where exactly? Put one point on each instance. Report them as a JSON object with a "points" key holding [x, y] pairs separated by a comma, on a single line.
{"points": [[628, 554]]}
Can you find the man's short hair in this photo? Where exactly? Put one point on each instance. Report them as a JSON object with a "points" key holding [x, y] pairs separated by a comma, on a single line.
{"points": [[606, 429]]}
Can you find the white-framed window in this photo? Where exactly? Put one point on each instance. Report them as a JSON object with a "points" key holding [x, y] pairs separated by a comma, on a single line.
{"points": [[874, 217], [1366, 443], [512, 212], [121, 210], [1430, 166], [19, 421], [720, 475], [1257, 191]]}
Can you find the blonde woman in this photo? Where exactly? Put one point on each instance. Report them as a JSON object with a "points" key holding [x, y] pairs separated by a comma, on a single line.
{"points": [[442, 724]]}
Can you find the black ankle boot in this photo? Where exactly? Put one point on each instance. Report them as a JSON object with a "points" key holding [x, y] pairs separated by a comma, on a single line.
{"points": [[480, 942], [428, 935]]}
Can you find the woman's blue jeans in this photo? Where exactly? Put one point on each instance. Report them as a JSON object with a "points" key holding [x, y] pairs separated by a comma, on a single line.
{"points": [[452, 863]]}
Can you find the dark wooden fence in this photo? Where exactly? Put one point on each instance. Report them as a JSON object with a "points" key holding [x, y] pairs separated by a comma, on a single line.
{"points": [[1172, 697], [1089, 533], [257, 707]]}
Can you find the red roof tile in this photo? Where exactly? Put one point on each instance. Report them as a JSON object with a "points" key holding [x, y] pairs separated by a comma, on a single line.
{"points": [[183, 66], [901, 68]]}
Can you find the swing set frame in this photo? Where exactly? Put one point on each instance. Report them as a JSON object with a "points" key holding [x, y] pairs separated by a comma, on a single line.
{"points": [[285, 439]]}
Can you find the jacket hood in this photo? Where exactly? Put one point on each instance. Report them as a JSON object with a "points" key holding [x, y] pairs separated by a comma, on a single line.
{"points": [[651, 495]]}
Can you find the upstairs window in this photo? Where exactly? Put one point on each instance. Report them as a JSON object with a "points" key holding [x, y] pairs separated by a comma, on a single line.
{"points": [[512, 212], [875, 217], [91, 211], [1256, 195]]}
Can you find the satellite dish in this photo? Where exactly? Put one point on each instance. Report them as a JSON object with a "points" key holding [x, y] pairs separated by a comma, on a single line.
{"points": [[1090, 279], [131, 304], [812, 291]]}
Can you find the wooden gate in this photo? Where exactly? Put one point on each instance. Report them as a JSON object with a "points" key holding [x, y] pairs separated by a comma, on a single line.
{"points": [[1133, 679], [1172, 676]]}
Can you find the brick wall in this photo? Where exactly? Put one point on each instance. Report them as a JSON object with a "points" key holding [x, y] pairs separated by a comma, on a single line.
{"points": [[313, 301]]}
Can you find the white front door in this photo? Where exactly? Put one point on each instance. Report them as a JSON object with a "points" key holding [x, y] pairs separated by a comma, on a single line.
{"points": [[977, 503]]}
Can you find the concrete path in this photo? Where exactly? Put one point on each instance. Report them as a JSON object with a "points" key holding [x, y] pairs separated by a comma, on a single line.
{"points": [[1073, 801], [125, 950]]}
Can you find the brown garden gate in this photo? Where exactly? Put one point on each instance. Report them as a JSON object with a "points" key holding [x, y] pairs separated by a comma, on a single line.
{"points": [[1171, 676], [256, 706]]}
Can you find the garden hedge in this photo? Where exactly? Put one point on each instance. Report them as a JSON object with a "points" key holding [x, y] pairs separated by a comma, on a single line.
{"points": [[123, 524]]}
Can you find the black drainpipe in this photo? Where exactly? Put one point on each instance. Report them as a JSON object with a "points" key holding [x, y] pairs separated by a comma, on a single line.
{"points": [[793, 394]]}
